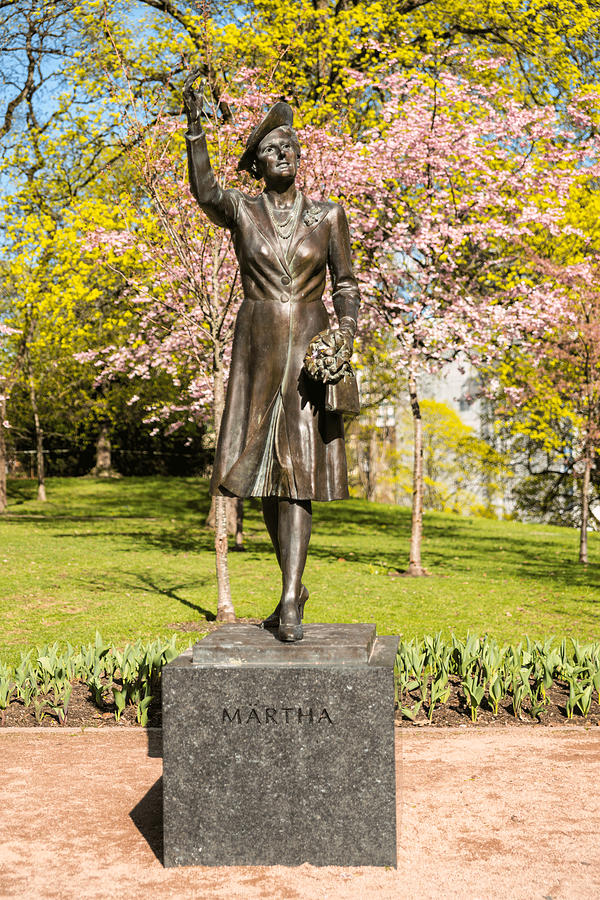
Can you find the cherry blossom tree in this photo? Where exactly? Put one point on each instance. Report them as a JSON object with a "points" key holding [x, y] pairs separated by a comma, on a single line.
{"points": [[181, 278], [448, 192], [575, 377]]}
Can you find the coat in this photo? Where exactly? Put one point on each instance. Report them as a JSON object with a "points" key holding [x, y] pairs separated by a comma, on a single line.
{"points": [[276, 438]]}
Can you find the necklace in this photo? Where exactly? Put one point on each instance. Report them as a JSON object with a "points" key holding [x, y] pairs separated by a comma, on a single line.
{"points": [[285, 229]]}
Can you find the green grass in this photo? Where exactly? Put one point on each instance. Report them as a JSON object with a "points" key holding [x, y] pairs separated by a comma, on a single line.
{"points": [[133, 558]]}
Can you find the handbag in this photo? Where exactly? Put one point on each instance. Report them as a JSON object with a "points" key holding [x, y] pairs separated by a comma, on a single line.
{"points": [[342, 396]]}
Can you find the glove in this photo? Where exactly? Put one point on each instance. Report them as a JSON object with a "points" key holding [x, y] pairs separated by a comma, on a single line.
{"points": [[193, 100]]}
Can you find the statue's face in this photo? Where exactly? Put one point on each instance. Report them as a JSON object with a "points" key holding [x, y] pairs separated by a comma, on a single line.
{"points": [[277, 155]]}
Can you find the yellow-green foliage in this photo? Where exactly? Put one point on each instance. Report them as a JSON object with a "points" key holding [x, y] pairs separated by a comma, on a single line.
{"points": [[462, 472], [63, 298], [457, 463], [122, 62], [538, 409], [548, 47]]}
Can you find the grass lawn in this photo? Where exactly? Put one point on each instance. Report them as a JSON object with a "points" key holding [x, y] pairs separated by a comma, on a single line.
{"points": [[132, 558]]}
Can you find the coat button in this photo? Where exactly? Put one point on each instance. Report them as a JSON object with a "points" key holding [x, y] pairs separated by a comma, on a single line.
{"points": [[285, 279], [284, 299]]}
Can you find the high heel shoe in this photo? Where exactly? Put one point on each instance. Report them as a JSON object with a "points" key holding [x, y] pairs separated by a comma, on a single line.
{"points": [[272, 621], [290, 622], [302, 600]]}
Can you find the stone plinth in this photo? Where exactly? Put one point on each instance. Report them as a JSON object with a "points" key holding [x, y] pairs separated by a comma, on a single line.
{"points": [[280, 754]]}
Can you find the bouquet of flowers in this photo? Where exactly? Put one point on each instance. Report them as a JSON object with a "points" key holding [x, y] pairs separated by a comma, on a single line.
{"points": [[328, 360]]}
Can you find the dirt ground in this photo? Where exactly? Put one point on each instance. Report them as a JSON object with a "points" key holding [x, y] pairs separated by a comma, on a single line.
{"points": [[496, 812]]}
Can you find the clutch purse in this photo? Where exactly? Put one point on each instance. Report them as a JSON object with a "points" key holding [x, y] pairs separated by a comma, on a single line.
{"points": [[342, 396]]}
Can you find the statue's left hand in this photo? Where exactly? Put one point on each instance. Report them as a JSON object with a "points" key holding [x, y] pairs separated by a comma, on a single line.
{"points": [[345, 339]]}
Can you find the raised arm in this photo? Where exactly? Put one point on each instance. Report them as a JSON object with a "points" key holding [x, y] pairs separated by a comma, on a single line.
{"points": [[219, 205]]}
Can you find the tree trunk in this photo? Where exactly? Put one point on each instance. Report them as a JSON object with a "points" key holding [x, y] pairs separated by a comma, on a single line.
{"points": [[225, 610], [233, 514], [399, 448], [415, 566], [2, 454], [366, 447], [585, 505], [103, 467], [39, 441], [373, 463], [239, 525]]}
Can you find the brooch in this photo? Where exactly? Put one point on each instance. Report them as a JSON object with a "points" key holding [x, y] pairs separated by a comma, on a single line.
{"points": [[311, 216]]}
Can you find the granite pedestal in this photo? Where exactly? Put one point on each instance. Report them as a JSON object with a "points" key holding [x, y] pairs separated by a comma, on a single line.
{"points": [[280, 754]]}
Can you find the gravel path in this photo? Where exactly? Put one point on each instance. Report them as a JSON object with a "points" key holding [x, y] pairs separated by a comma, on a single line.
{"points": [[490, 813]]}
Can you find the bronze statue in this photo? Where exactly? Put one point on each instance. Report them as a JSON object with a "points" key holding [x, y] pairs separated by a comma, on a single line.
{"points": [[278, 441]]}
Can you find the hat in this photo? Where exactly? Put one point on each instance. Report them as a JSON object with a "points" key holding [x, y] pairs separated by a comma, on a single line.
{"points": [[280, 114]]}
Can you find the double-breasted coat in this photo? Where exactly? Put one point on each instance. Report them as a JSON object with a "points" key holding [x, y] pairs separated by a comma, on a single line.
{"points": [[276, 438]]}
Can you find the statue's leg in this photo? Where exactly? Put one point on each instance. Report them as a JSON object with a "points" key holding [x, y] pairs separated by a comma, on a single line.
{"points": [[295, 522], [270, 508]]}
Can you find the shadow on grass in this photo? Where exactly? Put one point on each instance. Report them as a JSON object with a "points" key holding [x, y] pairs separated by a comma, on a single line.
{"points": [[454, 547], [182, 540], [350, 517], [540, 560], [259, 549], [20, 491], [145, 583], [49, 518]]}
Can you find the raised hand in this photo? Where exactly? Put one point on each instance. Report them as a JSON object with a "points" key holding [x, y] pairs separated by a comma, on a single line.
{"points": [[193, 100]]}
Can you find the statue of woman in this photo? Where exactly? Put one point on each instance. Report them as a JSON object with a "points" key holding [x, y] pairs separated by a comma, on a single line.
{"points": [[277, 440]]}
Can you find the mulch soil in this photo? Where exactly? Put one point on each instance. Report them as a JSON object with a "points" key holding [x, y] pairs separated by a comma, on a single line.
{"points": [[457, 711], [83, 713]]}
